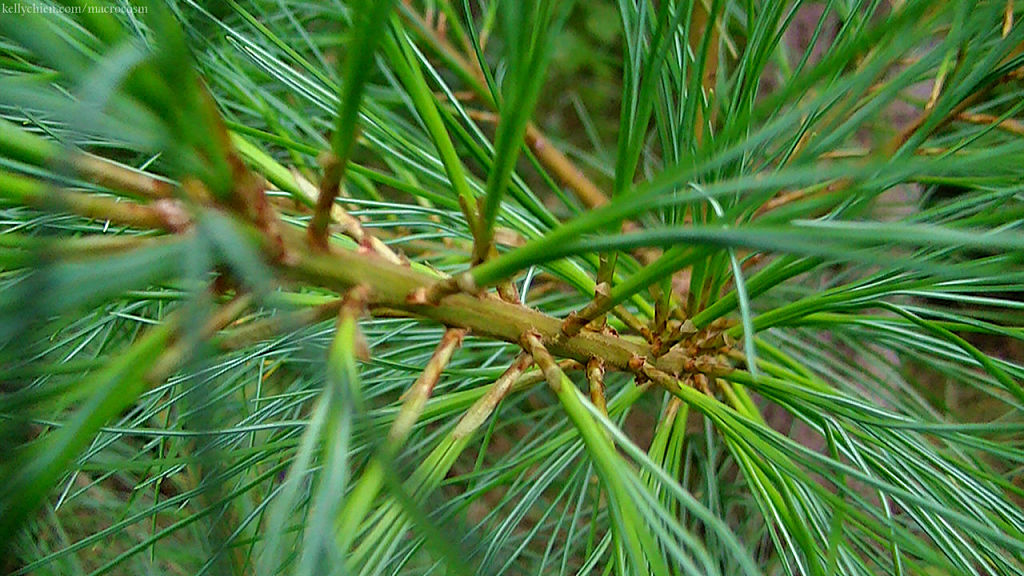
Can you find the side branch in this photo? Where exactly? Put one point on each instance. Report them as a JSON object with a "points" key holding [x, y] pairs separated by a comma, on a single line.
{"points": [[334, 171], [416, 397]]}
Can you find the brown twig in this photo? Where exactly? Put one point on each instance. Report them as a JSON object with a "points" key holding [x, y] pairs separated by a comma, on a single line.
{"points": [[791, 196], [416, 396], [117, 177], [600, 305], [957, 111], [564, 169], [248, 191], [1011, 125], [349, 225], [164, 214], [329, 186], [485, 406], [701, 21], [533, 344], [597, 307]]}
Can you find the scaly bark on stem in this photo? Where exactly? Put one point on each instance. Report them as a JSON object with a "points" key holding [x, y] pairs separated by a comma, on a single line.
{"points": [[486, 316]]}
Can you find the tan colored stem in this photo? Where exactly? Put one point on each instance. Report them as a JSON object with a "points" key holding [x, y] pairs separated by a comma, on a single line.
{"points": [[595, 309], [349, 225], [563, 169], [532, 343], [163, 214], [791, 196], [699, 23], [417, 395], [484, 407], [112, 175], [1011, 125], [958, 111], [329, 186]]}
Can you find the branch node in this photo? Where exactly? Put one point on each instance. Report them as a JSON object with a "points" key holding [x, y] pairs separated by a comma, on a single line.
{"points": [[173, 214], [572, 324], [637, 363], [461, 283], [356, 299], [419, 297], [576, 321], [533, 344]]}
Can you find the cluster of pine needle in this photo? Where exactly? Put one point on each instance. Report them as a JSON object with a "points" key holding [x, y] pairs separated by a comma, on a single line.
{"points": [[301, 288]]}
